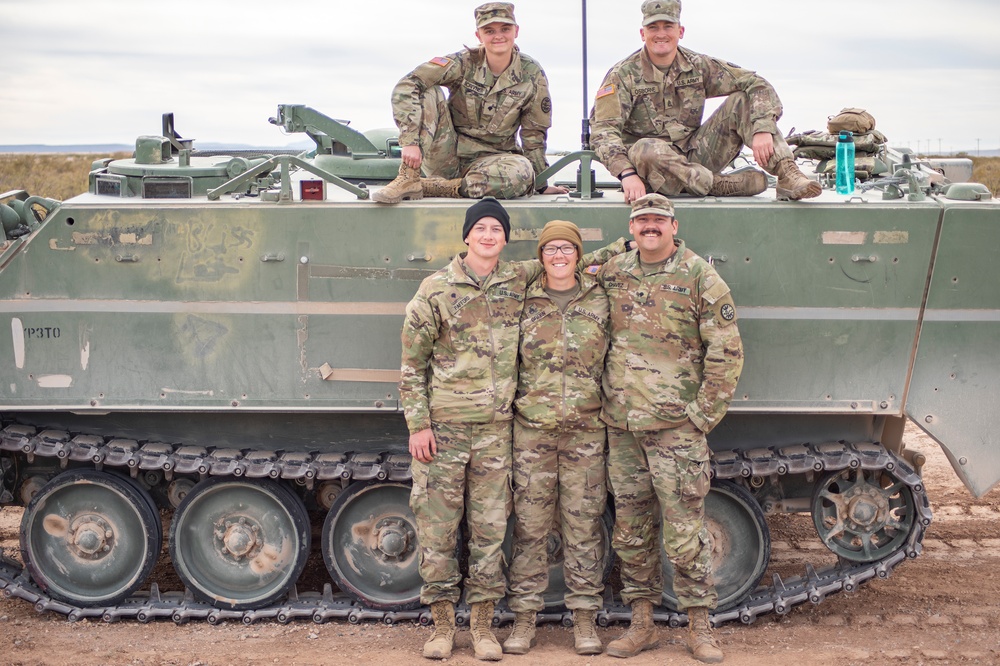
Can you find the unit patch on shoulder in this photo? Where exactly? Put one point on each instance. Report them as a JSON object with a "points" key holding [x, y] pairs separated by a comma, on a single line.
{"points": [[546, 105], [728, 312], [605, 91], [441, 61]]}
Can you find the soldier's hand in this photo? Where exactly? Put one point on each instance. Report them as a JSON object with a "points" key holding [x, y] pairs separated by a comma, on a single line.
{"points": [[556, 189], [423, 447], [763, 148], [633, 188], [412, 157]]}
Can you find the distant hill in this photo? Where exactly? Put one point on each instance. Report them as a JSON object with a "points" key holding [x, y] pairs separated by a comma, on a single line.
{"points": [[104, 148], [83, 148]]}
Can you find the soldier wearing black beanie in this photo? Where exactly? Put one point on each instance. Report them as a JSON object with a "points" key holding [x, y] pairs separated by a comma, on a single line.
{"points": [[486, 207]]}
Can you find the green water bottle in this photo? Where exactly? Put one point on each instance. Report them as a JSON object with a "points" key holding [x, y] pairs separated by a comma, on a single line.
{"points": [[845, 163]]}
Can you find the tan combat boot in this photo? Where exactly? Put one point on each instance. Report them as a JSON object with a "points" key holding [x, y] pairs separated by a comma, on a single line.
{"points": [[484, 644], [793, 184], [522, 637], [641, 634], [738, 184], [701, 642], [585, 638], [405, 186], [439, 645], [439, 187]]}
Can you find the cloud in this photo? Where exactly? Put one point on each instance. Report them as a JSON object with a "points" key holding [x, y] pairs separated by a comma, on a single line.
{"points": [[104, 70]]}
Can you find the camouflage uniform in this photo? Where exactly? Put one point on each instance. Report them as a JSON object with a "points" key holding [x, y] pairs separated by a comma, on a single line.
{"points": [[472, 134], [673, 363], [559, 439], [459, 373], [458, 377], [652, 122]]}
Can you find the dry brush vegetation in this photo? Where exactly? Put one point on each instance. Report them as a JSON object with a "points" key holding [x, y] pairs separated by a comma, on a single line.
{"points": [[61, 176]]}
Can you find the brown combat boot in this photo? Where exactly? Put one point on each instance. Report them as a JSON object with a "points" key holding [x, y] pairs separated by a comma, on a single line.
{"points": [[522, 637], [439, 187], [405, 186], [585, 638], [439, 645], [745, 183], [701, 642], [484, 644], [793, 184], [641, 634]]}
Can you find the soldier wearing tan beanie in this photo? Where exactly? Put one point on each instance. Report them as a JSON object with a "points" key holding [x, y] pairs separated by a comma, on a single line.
{"points": [[561, 230]]}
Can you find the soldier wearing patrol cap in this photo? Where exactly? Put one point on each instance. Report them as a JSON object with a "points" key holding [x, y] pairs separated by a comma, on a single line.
{"points": [[673, 363], [468, 143], [647, 120]]}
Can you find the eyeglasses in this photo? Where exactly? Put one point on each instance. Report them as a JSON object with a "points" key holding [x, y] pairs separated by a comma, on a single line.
{"points": [[550, 250]]}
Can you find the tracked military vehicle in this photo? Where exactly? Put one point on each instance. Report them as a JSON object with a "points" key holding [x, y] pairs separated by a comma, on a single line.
{"points": [[215, 339]]}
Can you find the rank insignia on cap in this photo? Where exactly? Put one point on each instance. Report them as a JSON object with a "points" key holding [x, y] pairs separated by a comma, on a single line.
{"points": [[605, 91], [441, 61]]}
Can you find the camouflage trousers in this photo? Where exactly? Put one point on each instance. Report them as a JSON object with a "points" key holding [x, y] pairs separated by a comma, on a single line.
{"points": [[500, 175], [558, 485], [661, 477], [470, 476], [670, 168]]}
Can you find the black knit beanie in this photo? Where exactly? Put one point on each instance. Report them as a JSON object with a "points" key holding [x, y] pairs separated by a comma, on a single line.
{"points": [[486, 207]]}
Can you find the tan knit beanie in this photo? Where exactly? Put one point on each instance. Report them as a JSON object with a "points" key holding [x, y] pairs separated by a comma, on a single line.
{"points": [[561, 230]]}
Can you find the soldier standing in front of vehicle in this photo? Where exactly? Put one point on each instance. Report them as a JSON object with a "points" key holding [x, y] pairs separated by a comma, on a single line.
{"points": [[559, 464], [673, 363], [467, 143], [647, 120], [458, 379]]}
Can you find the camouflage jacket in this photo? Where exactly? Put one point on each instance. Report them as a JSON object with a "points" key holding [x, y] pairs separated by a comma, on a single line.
{"points": [[675, 349], [562, 358], [459, 361], [637, 100], [486, 110]]}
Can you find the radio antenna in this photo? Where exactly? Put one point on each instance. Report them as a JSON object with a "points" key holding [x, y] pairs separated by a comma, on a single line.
{"points": [[585, 136]]}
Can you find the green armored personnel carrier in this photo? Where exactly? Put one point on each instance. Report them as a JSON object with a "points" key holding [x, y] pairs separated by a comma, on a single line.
{"points": [[214, 339]]}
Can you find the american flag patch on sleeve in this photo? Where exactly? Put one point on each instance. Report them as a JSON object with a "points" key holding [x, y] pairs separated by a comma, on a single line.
{"points": [[441, 61], [605, 91], [592, 269]]}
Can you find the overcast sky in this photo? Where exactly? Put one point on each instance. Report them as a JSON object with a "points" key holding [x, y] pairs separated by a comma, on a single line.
{"points": [[103, 71]]}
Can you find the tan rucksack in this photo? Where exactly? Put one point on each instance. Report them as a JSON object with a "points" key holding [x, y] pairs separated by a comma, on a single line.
{"points": [[852, 119]]}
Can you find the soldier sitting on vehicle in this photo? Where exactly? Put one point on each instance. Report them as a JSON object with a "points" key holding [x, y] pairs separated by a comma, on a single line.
{"points": [[647, 120], [467, 143]]}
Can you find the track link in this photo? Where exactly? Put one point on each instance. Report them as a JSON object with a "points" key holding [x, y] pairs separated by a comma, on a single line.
{"points": [[814, 585]]}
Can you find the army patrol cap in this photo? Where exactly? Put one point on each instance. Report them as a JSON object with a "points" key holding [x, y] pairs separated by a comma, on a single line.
{"points": [[560, 230], [494, 12], [661, 10], [652, 204]]}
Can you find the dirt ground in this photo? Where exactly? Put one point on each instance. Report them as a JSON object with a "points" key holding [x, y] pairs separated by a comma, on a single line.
{"points": [[942, 608]]}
